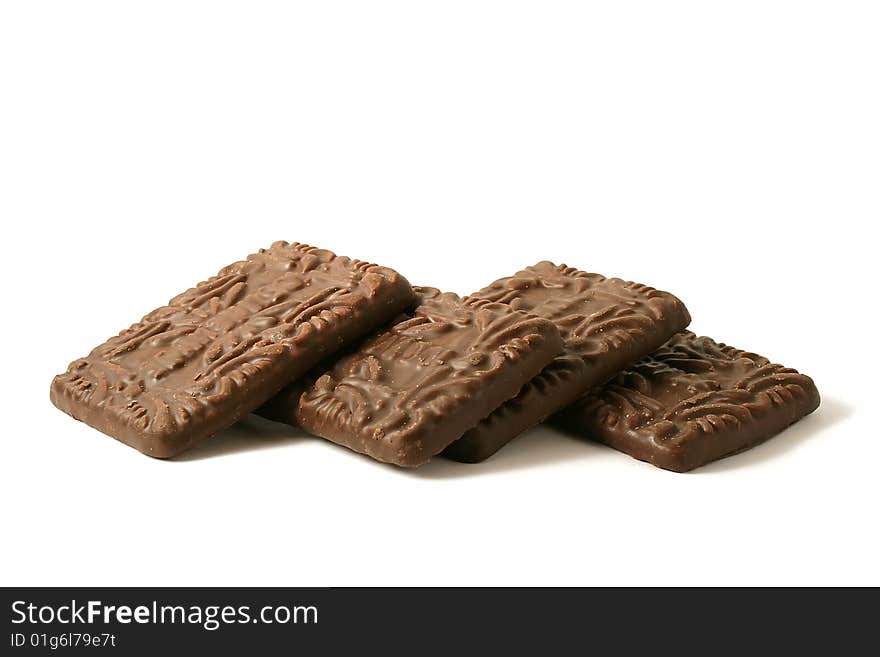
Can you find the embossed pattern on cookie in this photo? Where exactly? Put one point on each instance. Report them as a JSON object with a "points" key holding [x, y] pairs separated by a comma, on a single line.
{"points": [[691, 402], [607, 324], [409, 391], [220, 349]]}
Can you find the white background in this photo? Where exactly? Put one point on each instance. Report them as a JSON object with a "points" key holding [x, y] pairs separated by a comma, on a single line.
{"points": [[727, 152]]}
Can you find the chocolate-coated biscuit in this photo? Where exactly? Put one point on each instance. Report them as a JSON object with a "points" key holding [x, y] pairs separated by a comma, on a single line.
{"points": [[222, 348], [606, 323], [691, 402], [412, 389]]}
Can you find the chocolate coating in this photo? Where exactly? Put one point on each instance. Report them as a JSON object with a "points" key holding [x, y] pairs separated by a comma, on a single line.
{"points": [[410, 390], [691, 402], [222, 348], [606, 323]]}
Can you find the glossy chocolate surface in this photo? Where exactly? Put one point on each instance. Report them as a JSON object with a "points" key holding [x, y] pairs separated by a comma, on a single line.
{"points": [[222, 348], [691, 402], [606, 323], [412, 389]]}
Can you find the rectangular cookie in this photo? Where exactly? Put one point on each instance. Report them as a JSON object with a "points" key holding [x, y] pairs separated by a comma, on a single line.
{"points": [[606, 323], [219, 350], [691, 402], [410, 390]]}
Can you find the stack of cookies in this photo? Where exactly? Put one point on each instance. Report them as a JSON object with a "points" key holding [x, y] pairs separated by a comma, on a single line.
{"points": [[351, 352]]}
